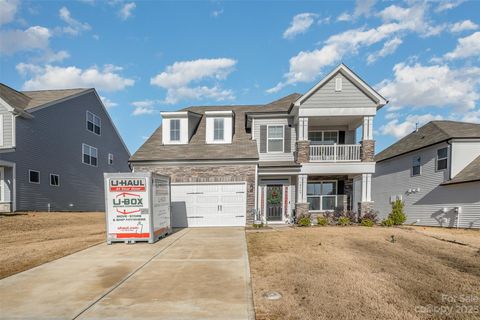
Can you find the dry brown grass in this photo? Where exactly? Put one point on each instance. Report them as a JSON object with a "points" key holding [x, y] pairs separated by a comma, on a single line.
{"points": [[359, 273], [31, 239]]}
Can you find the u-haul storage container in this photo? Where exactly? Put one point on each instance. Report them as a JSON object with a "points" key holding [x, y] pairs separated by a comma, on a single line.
{"points": [[137, 206]]}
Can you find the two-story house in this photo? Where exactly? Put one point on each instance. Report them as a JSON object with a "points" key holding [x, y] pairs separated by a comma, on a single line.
{"points": [[55, 146], [297, 153], [435, 171]]}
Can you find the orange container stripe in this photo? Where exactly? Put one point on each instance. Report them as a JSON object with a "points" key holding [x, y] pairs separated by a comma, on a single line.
{"points": [[133, 235]]}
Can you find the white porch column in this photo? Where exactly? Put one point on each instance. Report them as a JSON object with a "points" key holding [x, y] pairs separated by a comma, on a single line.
{"points": [[367, 128], [366, 187], [302, 129], [302, 188]]}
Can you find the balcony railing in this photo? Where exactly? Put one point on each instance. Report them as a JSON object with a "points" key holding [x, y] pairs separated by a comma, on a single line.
{"points": [[335, 152]]}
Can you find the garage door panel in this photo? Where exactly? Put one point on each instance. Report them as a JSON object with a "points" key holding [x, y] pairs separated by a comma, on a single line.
{"points": [[207, 205]]}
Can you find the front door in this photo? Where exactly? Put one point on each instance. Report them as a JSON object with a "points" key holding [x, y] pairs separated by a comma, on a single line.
{"points": [[274, 203]]}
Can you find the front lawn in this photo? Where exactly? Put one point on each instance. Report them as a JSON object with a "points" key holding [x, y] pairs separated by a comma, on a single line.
{"points": [[363, 273]]}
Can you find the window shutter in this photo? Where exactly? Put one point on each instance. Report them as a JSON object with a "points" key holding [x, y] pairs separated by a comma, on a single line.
{"points": [[263, 139], [341, 137], [341, 187], [287, 140]]}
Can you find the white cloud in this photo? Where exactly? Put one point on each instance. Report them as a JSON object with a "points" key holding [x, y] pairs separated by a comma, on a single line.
{"points": [[464, 25], [108, 103], [216, 13], [307, 65], [74, 27], [126, 10], [52, 56], [448, 5], [33, 38], [431, 86], [389, 47], [54, 77], [466, 47], [178, 77], [344, 17], [8, 9], [399, 129], [144, 107], [471, 116], [300, 24]]}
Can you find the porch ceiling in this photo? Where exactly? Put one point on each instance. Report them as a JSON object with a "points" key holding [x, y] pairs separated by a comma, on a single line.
{"points": [[351, 121]]}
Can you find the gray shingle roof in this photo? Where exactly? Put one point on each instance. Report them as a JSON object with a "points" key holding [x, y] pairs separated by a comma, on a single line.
{"points": [[470, 173], [241, 148], [26, 100], [431, 133]]}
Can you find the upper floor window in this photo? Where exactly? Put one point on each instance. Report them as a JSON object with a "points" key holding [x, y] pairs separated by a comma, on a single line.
{"points": [[1, 130], [89, 155], [110, 158], [34, 176], [442, 158], [323, 137], [93, 123], [218, 129], [54, 180], [416, 165], [175, 130], [275, 139]]}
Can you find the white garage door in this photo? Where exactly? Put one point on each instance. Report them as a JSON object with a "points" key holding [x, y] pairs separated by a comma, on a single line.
{"points": [[208, 205]]}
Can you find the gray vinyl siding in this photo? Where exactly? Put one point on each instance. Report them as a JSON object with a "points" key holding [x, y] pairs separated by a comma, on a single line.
{"points": [[350, 96], [393, 177], [265, 156], [7, 128], [51, 142]]}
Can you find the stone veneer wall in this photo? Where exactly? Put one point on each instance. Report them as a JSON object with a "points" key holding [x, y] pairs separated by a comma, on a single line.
{"points": [[6, 207], [367, 150], [364, 207], [210, 173], [302, 154]]}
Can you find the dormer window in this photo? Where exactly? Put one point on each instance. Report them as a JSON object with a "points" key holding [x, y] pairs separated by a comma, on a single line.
{"points": [[178, 126], [218, 129], [175, 130], [219, 126]]}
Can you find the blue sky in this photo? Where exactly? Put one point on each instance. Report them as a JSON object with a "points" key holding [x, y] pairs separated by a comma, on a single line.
{"points": [[145, 57]]}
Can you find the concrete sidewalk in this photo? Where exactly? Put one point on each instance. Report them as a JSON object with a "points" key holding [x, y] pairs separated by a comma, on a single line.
{"points": [[193, 274]]}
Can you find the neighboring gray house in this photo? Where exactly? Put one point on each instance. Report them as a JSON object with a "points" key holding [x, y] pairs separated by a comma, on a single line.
{"points": [[297, 153], [435, 171], [55, 146]]}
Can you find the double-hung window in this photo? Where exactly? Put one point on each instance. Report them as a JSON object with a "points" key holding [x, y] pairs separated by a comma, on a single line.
{"points": [[175, 130], [218, 129], [54, 180], [416, 166], [442, 158], [89, 155], [93, 123], [110, 158], [275, 139], [322, 195], [34, 176], [323, 137]]}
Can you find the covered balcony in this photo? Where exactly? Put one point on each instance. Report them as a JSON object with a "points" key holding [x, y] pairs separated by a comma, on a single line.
{"points": [[334, 139]]}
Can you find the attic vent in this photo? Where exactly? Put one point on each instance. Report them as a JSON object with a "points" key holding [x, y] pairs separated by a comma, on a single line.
{"points": [[338, 84]]}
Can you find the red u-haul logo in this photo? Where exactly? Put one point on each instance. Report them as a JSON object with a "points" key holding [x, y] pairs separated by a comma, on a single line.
{"points": [[119, 185]]}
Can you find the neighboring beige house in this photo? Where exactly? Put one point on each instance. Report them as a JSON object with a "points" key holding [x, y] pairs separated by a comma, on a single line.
{"points": [[435, 171], [298, 153]]}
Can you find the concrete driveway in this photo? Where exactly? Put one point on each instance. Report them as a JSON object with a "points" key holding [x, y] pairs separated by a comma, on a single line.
{"points": [[193, 274]]}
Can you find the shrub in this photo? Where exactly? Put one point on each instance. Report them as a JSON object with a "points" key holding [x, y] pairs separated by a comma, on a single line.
{"points": [[387, 222], [304, 221], [397, 215], [339, 213], [343, 221], [258, 225], [367, 222], [322, 221], [371, 215]]}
